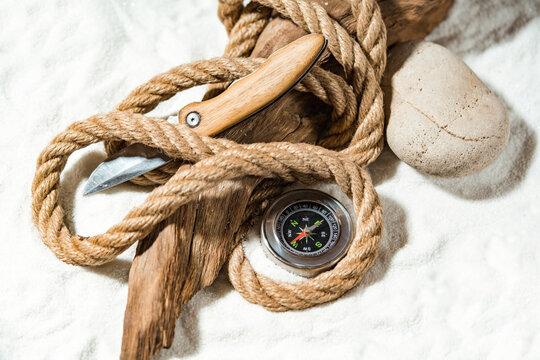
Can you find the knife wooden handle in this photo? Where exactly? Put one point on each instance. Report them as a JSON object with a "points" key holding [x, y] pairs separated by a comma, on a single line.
{"points": [[251, 94]]}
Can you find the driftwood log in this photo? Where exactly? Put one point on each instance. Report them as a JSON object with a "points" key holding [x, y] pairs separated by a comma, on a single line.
{"points": [[185, 253]]}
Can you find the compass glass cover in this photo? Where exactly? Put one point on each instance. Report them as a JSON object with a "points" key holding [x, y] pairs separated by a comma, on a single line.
{"points": [[307, 228]]}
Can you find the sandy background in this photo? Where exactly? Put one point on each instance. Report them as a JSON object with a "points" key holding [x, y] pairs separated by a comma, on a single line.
{"points": [[457, 275]]}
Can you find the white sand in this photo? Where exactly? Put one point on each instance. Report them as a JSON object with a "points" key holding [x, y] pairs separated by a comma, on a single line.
{"points": [[457, 275]]}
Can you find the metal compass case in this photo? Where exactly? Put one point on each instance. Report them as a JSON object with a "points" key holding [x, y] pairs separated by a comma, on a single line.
{"points": [[306, 231]]}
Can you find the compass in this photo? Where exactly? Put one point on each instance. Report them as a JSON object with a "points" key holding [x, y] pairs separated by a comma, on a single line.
{"points": [[306, 231]]}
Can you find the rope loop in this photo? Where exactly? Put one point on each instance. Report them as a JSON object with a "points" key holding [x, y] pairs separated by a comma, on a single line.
{"points": [[353, 140]]}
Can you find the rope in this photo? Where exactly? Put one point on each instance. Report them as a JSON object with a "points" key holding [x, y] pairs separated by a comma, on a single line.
{"points": [[357, 121]]}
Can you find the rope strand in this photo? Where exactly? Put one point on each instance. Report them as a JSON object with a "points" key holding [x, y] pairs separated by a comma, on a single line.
{"points": [[356, 128]]}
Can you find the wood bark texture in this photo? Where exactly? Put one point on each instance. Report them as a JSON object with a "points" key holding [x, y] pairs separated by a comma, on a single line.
{"points": [[186, 252]]}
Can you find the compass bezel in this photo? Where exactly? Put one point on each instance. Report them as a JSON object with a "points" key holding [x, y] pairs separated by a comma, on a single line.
{"points": [[306, 264]]}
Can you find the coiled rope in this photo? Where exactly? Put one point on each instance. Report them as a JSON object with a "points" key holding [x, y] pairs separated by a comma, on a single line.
{"points": [[357, 121]]}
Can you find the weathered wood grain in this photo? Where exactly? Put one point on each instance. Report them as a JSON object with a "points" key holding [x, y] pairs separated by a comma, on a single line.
{"points": [[186, 252]]}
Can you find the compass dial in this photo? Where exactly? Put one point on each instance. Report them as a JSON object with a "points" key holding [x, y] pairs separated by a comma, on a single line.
{"points": [[307, 228]]}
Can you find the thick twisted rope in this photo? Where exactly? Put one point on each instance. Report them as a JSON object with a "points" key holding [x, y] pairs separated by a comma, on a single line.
{"points": [[357, 120], [362, 128]]}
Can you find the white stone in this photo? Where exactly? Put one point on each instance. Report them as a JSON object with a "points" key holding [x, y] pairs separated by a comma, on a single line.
{"points": [[441, 118]]}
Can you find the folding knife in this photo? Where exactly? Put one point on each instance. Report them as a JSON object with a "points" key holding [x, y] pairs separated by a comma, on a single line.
{"points": [[244, 98]]}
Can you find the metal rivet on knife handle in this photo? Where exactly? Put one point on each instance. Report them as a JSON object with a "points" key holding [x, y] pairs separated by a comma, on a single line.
{"points": [[193, 119]]}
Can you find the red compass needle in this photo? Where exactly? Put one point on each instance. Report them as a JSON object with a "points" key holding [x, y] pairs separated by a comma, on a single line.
{"points": [[304, 233]]}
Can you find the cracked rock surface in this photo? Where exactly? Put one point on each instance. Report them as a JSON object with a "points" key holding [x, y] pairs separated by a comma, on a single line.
{"points": [[441, 118]]}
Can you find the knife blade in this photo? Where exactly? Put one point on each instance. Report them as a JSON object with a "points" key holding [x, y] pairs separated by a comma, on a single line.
{"points": [[132, 161], [244, 98]]}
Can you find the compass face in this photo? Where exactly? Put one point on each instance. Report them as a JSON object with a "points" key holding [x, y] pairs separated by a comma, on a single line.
{"points": [[307, 228]]}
